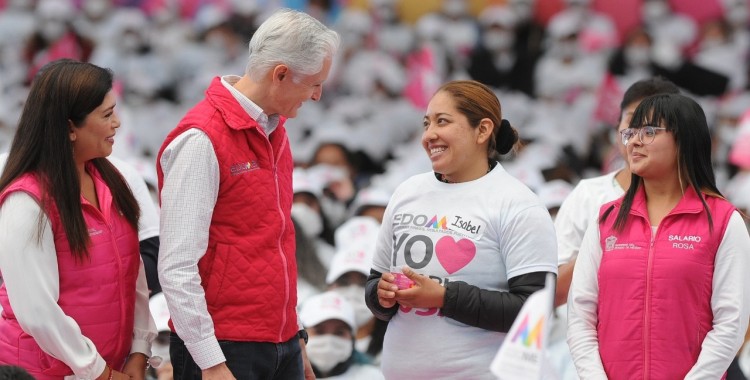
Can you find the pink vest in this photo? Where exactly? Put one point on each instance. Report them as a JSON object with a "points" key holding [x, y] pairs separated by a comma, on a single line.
{"points": [[98, 293], [655, 298], [249, 271]]}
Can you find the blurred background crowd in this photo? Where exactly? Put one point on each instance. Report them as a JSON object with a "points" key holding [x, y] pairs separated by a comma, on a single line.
{"points": [[559, 68]]}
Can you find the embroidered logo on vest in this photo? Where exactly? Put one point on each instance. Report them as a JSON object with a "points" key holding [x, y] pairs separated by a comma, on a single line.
{"points": [[610, 243], [243, 167]]}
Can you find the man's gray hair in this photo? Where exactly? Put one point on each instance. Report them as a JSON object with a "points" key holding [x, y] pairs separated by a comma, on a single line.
{"points": [[292, 38]]}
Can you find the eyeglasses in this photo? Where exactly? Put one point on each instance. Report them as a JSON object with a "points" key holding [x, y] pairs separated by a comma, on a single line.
{"points": [[645, 135]]}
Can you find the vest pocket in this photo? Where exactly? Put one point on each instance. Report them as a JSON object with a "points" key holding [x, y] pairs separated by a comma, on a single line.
{"points": [[216, 277]]}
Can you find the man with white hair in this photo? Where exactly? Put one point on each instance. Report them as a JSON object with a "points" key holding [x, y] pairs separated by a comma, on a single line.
{"points": [[227, 260]]}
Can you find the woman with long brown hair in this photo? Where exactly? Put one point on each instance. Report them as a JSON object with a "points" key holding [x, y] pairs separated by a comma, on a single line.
{"points": [[75, 300]]}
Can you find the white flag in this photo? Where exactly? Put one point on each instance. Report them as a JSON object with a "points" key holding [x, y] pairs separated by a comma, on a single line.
{"points": [[521, 356]]}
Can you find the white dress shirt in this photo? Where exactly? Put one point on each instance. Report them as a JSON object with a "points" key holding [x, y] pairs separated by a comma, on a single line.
{"points": [[189, 162]]}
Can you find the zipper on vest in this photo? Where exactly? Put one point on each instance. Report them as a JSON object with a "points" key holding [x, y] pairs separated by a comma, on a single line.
{"points": [[281, 253], [275, 162], [647, 307]]}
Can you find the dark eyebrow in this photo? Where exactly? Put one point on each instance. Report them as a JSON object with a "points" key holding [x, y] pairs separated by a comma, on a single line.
{"points": [[439, 114]]}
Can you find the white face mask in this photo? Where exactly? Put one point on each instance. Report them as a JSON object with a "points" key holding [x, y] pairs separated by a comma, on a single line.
{"points": [[215, 42], [52, 30], [352, 40], [565, 49], [326, 351], [711, 43], [334, 210], [310, 220], [637, 56], [394, 45], [355, 294], [498, 40], [130, 42]]}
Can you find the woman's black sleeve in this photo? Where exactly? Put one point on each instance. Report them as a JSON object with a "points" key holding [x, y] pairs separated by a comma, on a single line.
{"points": [[487, 309], [150, 255], [371, 298]]}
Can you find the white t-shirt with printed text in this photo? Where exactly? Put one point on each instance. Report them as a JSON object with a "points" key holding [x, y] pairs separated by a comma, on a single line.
{"points": [[482, 232]]}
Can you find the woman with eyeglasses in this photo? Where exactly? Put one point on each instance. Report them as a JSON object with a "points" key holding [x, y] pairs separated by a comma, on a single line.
{"points": [[660, 289]]}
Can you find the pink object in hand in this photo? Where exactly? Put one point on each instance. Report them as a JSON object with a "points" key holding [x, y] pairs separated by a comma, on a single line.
{"points": [[402, 281]]}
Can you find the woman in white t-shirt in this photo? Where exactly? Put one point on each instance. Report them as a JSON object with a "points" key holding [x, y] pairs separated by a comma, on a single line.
{"points": [[472, 241]]}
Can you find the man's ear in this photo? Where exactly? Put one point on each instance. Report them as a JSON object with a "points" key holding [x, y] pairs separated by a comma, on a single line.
{"points": [[280, 72], [71, 130], [486, 126]]}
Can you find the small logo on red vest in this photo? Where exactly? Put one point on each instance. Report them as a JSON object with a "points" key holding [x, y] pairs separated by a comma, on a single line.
{"points": [[243, 167]]}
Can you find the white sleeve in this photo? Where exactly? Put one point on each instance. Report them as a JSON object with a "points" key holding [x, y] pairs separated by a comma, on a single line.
{"points": [[381, 262], [148, 223], [571, 223], [188, 197], [730, 303], [528, 243], [582, 307], [144, 329], [30, 271]]}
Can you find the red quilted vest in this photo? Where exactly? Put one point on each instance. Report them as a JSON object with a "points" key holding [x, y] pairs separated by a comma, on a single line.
{"points": [[249, 269], [655, 299], [99, 294]]}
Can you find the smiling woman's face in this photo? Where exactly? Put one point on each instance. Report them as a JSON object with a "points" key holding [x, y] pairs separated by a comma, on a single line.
{"points": [[655, 160], [94, 138], [450, 142]]}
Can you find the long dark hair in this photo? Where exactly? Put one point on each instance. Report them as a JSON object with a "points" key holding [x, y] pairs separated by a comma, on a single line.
{"points": [[64, 90], [685, 119]]}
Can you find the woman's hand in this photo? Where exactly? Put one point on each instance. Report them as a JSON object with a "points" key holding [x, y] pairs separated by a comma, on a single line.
{"points": [[117, 375], [426, 292], [135, 366], [387, 290]]}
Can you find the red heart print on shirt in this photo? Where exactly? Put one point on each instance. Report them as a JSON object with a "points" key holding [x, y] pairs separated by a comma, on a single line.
{"points": [[454, 255]]}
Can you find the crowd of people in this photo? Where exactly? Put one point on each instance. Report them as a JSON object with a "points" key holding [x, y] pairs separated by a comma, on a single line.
{"points": [[294, 219]]}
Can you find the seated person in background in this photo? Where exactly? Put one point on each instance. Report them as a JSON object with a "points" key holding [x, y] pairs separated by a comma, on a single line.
{"points": [[371, 201], [328, 319], [355, 243]]}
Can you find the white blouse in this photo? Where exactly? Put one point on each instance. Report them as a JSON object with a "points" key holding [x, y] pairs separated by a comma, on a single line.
{"points": [[29, 269]]}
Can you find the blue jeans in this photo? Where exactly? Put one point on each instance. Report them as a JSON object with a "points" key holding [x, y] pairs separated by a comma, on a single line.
{"points": [[246, 360]]}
